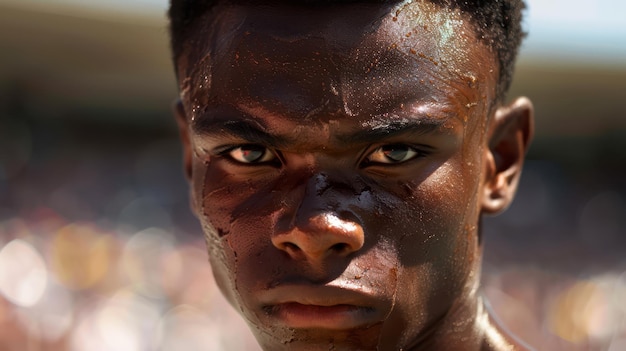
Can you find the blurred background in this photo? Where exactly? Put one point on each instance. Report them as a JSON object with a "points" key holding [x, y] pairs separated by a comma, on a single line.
{"points": [[98, 250]]}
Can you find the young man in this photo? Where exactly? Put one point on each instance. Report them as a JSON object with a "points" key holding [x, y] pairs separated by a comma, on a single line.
{"points": [[341, 155]]}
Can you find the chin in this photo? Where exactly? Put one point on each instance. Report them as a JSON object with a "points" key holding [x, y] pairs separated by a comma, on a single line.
{"points": [[322, 339]]}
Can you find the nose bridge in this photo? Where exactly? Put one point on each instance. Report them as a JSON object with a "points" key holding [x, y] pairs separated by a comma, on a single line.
{"points": [[327, 198], [318, 196], [321, 225]]}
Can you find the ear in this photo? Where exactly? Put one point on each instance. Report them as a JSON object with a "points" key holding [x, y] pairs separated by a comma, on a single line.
{"points": [[183, 129], [509, 135]]}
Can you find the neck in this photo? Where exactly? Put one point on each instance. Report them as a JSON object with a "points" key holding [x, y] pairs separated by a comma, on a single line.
{"points": [[458, 329], [468, 327], [496, 338]]}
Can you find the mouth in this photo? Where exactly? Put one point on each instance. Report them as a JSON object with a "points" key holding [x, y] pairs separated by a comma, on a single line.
{"points": [[322, 307], [337, 317]]}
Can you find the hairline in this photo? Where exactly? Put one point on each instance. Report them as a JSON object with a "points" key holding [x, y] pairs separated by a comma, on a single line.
{"points": [[504, 65]]}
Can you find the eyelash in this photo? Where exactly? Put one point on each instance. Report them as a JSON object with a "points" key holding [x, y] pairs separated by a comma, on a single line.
{"points": [[225, 152], [420, 152]]}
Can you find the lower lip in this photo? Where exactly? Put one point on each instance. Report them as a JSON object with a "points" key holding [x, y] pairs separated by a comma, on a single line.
{"points": [[338, 317]]}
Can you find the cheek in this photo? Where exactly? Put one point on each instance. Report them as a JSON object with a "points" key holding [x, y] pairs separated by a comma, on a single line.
{"points": [[223, 200], [444, 213], [237, 219], [436, 243]]}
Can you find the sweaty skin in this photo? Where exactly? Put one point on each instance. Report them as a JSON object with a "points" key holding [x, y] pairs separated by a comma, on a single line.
{"points": [[340, 158]]}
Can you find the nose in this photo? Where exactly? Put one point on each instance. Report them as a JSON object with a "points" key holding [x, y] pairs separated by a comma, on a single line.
{"points": [[321, 236]]}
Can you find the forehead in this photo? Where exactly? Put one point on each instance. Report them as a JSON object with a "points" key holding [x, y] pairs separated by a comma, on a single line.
{"points": [[352, 58]]}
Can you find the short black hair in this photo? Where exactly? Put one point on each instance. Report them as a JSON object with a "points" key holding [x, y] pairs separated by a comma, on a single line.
{"points": [[498, 24]]}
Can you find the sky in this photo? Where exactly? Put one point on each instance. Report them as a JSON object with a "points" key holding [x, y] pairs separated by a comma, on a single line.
{"points": [[577, 29], [568, 30]]}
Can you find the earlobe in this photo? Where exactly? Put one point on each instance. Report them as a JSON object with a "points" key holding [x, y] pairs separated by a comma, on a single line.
{"points": [[183, 129], [509, 136]]}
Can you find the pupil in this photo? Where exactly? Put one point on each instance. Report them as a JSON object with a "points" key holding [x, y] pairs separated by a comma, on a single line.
{"points": [[251, 154], [396, 153]]}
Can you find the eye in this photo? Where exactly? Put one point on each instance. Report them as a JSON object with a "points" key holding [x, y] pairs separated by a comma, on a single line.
{"points": [[394, 153], [251, 154]]}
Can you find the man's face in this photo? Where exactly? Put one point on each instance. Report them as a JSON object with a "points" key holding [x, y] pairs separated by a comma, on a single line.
{"points": [[336, 156]]}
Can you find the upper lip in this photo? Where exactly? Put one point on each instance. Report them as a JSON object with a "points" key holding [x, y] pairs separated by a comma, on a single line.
{"points": [[318, 295]]}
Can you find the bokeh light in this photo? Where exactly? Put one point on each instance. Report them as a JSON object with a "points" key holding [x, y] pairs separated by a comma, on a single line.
{"points": [[52, 317], [82, 256], [590, 311], [144, 260], [23, 273], [124, 322], [188, 328], [98, 248]]}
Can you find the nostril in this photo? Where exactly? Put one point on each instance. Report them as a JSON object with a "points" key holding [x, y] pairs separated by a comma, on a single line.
{"points": [[339, 248], [320, 236], [291, 246]]}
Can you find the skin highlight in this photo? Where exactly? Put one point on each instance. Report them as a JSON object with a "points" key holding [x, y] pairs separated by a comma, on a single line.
{"points": [[340, 165]]}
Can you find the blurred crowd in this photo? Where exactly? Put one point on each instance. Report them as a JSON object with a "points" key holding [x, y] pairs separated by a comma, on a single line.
{"points": [[99, 251]]}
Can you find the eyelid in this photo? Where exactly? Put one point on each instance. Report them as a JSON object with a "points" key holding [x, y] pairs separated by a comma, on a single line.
{"points": [[225, 152], [421, 151]]}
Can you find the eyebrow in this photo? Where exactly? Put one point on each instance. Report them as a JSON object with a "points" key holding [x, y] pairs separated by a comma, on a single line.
{"points": [[389, 129], [244, 129], [253, 132]]}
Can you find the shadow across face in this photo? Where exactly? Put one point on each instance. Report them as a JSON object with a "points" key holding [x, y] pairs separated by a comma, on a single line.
{"points": [[337, 156]]}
